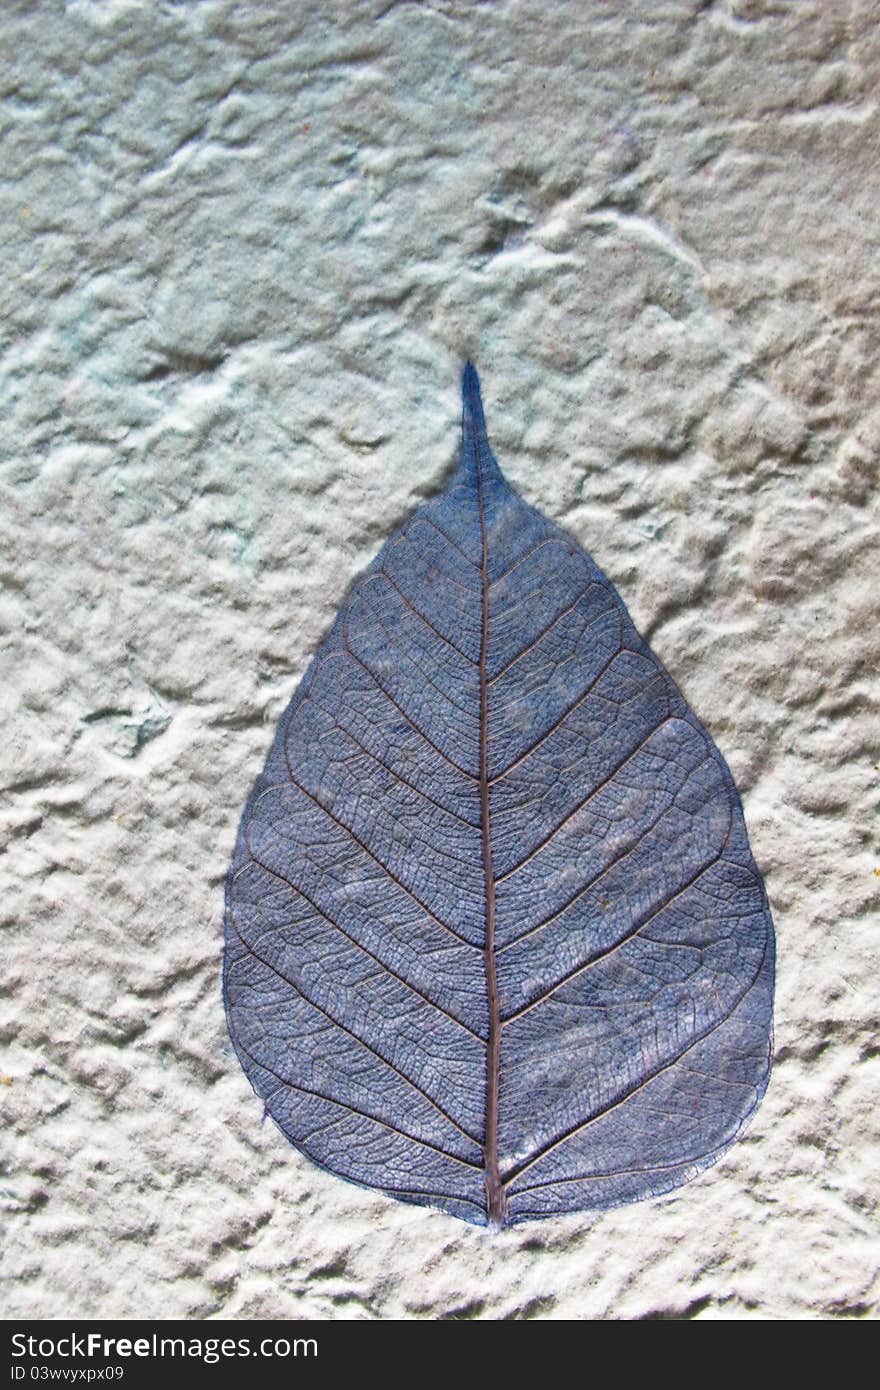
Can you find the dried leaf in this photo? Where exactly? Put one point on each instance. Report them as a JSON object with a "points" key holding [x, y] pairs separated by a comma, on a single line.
{"points": [[495, 938]]}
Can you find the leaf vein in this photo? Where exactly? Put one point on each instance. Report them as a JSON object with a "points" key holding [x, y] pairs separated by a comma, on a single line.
{"points": [[410, 721], [362, 845], [569, 710], [356, 1110], [622, 941], [383, 574], [605, 782], [395, 975], [545, 631], [449, 541], [523, 1167]]}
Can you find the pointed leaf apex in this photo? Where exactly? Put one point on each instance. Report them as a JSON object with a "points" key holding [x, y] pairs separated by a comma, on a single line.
{"points": [[470, 383], [476, 456]]}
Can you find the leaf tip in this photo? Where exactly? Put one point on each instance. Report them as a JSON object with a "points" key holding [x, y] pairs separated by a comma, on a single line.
{"points": [[472, 401], [476, 456]]}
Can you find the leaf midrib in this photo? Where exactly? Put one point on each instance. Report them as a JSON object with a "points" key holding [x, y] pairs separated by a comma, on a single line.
{"points": [[495, 1201]]}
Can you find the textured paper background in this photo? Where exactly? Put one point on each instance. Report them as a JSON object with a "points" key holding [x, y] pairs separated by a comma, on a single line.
{"points": [[246, 250]]}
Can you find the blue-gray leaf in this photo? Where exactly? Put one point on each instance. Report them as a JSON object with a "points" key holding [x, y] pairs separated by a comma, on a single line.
{"points": [[495, 941]]}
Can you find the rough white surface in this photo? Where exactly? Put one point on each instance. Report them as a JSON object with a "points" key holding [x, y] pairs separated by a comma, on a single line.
{"points": [[246, 250]]}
